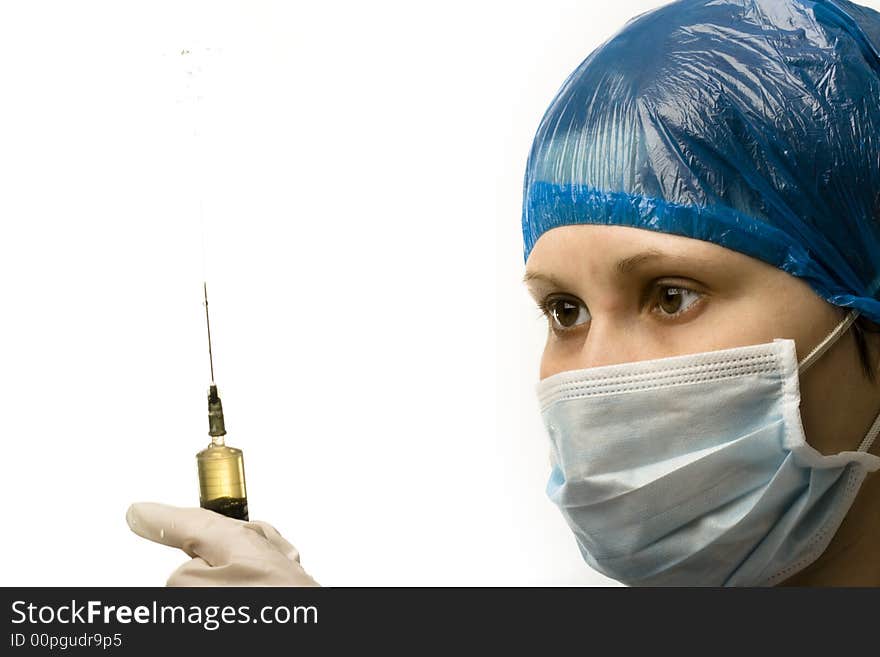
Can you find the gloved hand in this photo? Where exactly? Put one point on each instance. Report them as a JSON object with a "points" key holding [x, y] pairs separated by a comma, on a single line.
{"points": [[224, 551]]}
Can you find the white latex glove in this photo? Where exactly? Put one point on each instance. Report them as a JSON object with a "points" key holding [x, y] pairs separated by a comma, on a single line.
{"points": [[224, 551]]}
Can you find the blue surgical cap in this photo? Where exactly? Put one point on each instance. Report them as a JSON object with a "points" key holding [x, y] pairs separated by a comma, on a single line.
{"points": [[753, 124]]}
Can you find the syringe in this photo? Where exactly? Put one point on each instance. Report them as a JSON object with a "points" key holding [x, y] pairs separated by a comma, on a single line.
{"points": [[221, 468]]}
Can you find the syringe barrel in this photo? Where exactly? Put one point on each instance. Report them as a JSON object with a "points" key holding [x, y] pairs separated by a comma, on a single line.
{"points": [[221, 481]]}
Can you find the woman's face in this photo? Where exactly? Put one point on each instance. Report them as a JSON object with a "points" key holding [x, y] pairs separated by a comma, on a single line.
{"points": [[615, 294]]}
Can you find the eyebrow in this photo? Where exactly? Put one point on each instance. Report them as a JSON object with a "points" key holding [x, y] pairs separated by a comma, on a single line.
{"points": [[627, 265], [623, 266], [538, 276]]}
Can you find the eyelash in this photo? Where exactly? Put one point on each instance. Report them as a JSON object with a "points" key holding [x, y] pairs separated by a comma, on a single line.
{"points": [[544, 310]]}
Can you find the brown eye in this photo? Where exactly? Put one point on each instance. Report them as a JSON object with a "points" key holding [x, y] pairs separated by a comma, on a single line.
{"points": [[675, 300], [567, 313]]}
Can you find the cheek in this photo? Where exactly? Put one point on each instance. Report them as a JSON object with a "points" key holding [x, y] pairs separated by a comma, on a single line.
{"points": [[747, 320], [786, 307], [831, 399], [560, 355], [740, 323], [549, 365]]}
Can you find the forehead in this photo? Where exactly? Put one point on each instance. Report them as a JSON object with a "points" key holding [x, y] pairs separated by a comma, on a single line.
{"points": [[590, 246]]}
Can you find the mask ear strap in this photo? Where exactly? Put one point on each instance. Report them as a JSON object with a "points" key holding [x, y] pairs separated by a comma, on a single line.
{"points": [[869, 438], [828, 342]]}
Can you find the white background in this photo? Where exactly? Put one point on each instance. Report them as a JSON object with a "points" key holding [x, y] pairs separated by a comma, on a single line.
{"points": [[359, 172]]}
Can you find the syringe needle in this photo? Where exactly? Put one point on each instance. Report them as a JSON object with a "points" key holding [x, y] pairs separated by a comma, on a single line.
{"points": [[208, 323]]}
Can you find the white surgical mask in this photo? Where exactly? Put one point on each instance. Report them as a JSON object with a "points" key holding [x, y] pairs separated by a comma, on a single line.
{"points": [[694, 470]]}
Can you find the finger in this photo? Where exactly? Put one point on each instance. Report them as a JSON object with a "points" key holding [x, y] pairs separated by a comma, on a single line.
{"points": [[198, 572], [196, 531], [166, 524], [195, 572], [254, 572], [275, 538]]}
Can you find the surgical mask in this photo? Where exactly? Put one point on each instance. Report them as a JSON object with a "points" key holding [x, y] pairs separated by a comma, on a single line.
{"points": [[694, 470]]}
